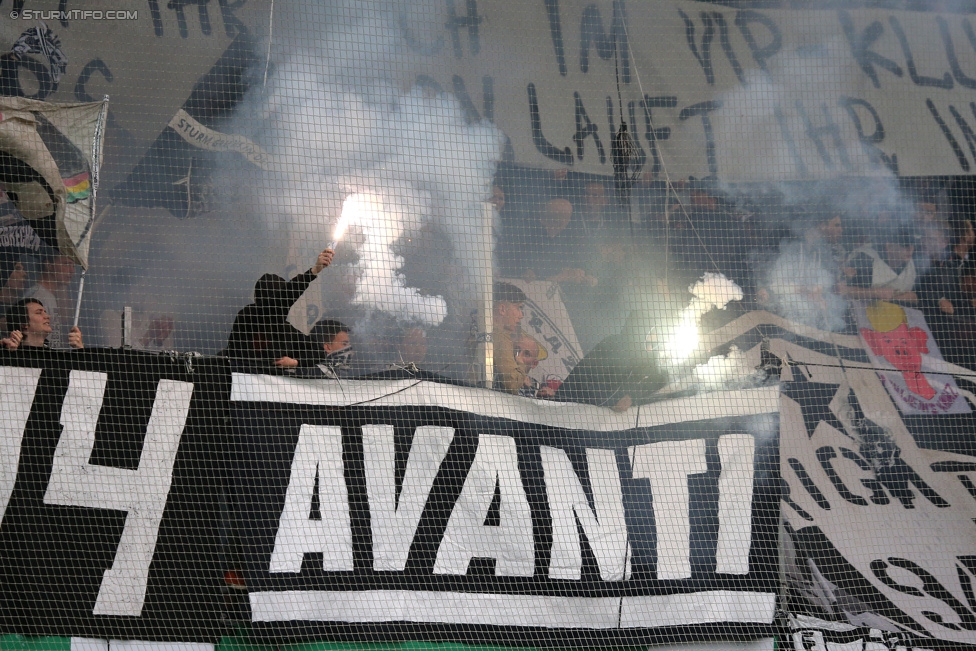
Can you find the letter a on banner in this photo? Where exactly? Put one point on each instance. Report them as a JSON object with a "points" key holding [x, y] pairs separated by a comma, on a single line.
{"points": [[394, 521], [317, 455], [510, 544]]}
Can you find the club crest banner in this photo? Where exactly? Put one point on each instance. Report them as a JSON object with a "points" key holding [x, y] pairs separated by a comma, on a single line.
{"points": [[547, 321]]}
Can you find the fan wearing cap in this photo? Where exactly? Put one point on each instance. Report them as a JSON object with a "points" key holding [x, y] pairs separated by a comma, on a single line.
{"points": [[884, 272], [261, 330], [509, 373]]}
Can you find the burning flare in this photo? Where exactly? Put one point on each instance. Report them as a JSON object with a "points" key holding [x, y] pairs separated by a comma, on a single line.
{"points": [[353, 208], [713, 291], [381, 285]]}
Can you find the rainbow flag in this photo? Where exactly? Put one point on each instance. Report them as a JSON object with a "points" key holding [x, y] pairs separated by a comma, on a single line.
{"points": [[78, 187]]}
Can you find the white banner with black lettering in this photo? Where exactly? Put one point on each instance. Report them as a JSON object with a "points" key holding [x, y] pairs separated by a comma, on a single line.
{"points": [[707, 90], [880, 504]]}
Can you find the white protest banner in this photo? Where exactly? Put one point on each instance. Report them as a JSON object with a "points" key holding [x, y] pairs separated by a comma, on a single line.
{"points": [[147, 57], [713, 91]]}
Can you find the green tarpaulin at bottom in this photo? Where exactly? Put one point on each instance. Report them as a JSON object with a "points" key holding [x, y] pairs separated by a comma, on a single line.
{"points": [[21, 643]]}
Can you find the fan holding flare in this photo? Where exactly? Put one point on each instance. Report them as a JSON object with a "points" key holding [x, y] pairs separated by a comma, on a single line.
{"points": [[627, 368]]}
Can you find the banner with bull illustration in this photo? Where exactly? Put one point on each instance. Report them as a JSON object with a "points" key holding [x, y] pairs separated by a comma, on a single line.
{"points": [[879, 544]]}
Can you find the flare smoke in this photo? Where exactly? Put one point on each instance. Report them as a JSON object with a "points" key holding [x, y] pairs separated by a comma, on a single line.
{"points": [[337, 122], [713, 290]]}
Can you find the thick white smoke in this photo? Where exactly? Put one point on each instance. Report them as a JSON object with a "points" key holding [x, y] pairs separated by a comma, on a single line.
{"points": [[801, 288], [381, 285], [771, 115], [723, 372], [712, 291], [338, 122]]}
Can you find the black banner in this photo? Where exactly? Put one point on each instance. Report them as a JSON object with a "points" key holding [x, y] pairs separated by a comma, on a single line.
{"points": [[382, 510], [109, 485], [406, 508]]}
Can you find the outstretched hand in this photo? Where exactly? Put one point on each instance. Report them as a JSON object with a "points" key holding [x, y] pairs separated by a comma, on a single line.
{"points": [[323, 261], [623, 404]]}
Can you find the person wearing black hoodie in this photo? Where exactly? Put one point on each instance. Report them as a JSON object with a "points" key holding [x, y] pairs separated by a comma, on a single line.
{"points": [[261, 330]]}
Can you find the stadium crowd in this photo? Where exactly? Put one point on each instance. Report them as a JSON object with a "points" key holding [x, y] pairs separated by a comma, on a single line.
{"points": [[805, 252]]}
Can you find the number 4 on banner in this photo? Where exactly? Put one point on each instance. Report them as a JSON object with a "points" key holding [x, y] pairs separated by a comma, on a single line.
{"points": [[141, 493]]}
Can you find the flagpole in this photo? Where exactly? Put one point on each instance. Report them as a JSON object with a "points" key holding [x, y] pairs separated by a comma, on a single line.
{"points": [[95, 168], [487, 308]]}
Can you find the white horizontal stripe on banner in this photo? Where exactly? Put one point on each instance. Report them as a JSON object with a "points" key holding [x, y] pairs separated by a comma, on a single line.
{"points": [[91, 644], [704, 406], [375, 606], [413, 393], [698, 608]]}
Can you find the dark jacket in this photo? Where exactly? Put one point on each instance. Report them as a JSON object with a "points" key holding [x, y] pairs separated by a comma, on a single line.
{"points": [[943, 281], [261, 330], [618, 366]]}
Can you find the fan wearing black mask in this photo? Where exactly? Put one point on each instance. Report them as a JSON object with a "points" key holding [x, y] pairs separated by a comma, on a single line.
{"points": [[332, 338]]}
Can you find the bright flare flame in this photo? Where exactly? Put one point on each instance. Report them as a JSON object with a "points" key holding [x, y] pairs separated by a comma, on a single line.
{"points": [[380, 285], [713, 291], [353, 208], [684, 340]]}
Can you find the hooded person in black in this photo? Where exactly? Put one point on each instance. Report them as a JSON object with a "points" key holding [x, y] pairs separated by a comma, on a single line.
{"points": [[261, 330], [622, 370]]}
